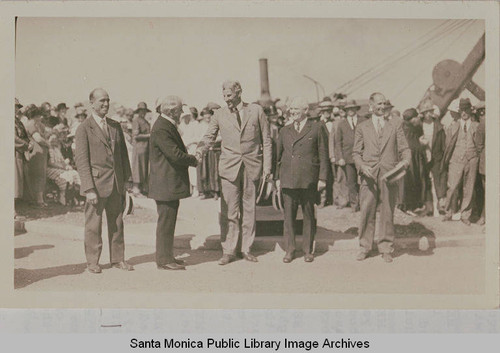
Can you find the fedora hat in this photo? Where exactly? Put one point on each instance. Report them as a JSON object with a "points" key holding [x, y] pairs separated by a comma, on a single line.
{"points": [[213, 106], [425, 106], [61, 106], [465, 106], [142, 106], [325, 105], [17, 104], [351, 103]]}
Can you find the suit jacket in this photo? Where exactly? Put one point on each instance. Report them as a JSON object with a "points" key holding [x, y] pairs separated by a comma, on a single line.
{"points": [[249, 145], [169, 163], [302, 157], [344, 140], [99, 162], [451, 141], [381, 154], [480, 143]]}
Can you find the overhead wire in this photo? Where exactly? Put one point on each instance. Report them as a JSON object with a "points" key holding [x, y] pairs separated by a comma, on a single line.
{"points": [[460, 35], [381, 63], [390, 64]]}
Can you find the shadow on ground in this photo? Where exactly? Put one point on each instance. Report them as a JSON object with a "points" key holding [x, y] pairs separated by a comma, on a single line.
{"points": [[24, 277], [19, 253]]}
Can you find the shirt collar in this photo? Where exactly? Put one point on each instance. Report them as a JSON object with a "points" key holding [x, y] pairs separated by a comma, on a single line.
{"points": [[169, 119], [98, 119]]}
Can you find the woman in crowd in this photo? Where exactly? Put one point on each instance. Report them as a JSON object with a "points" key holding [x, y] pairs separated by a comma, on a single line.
{"points": [[37, 164], [414, 188], [22, 147], [59, 169]]}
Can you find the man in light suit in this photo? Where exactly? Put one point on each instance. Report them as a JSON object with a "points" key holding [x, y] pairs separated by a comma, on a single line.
{"points": [[169, 179], [246, 155], [102, 161], [344, 143], [378, 146], [461, 158], [302, 155]]}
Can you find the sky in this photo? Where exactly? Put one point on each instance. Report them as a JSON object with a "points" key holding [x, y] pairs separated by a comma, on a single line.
{"points": [[134, 59]]}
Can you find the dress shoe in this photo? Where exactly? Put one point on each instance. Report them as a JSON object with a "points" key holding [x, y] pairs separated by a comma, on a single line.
{"points": [[361, 256], [225, 259], [308, 257], [171, 266], [180, 262], [481, 221], [94, 268], [249, 257], [387, 258], [465, 221], [446, 218], [288, 258], [123, 265]]}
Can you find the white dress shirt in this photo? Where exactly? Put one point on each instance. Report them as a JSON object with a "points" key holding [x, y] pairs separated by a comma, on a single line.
{"points": [[376, 120], [101, 122], [353, 121], [301, 125]]}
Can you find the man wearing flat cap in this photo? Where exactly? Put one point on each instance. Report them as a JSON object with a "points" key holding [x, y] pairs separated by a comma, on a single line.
{"points": [[379, 145], [344, 143], [169, 179], [140, 157], [461, 159], [246, 156], [102, 162]]}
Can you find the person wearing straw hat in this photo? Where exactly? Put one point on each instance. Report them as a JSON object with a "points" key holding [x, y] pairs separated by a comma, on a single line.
{"points": [[302, 156], [23, 146], [344, 143], [246, 157], [169, 179], [461, 159], [480, 142], [378, 145], [325, 108], [102, 162], [433, 140], [140, 158]]}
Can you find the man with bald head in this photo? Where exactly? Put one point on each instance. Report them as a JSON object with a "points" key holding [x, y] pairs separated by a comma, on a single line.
{"points": [[102, 161], [169, 178], [246, 156], [379, 144], [302, 155]]}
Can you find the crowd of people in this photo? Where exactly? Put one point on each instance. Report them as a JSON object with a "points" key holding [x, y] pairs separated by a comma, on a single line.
{"points": [[325, 153], [446, 173], [45, 149]]}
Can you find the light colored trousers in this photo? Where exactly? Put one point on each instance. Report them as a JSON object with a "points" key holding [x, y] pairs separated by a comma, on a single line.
{"points": [[239, 195]]}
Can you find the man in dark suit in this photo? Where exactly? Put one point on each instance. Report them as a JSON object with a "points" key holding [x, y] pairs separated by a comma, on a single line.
{"points": [[169, 179], [102, 161], [344, 143], [461, 159], [246, 156], [302, 155], [378, 146]]}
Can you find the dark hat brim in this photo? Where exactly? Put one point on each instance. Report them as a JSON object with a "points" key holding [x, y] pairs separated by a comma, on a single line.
{"points": [[141, 109]]}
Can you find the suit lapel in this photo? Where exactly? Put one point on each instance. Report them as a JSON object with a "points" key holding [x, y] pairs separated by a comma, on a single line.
{"points": [[96, 130], [386, 133], [244, 115], [112, 134], [305, 130], [172, 127]]}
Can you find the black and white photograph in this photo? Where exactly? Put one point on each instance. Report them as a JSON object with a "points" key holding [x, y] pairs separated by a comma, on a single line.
{"points": [[228, 157]]}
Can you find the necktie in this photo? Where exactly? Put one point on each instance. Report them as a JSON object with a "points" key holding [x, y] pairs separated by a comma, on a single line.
{"points": [[465, 127], [104, 128], [379, 127], [238, 118], [297, 126]]}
